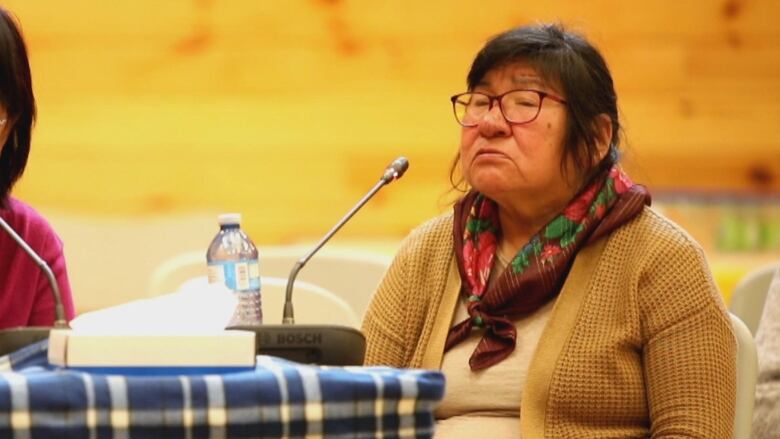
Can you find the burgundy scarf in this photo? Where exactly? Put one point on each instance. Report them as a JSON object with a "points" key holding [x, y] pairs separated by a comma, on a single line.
{"points": [[538, 270]]}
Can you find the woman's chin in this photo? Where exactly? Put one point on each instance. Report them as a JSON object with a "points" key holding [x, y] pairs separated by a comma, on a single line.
{"points": [[492, 186]]}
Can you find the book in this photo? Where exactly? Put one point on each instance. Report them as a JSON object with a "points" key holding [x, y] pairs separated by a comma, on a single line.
{"points": [[128, 353]]}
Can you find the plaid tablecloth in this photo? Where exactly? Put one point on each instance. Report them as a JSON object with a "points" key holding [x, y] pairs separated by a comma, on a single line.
{"points": [[279, 399]]}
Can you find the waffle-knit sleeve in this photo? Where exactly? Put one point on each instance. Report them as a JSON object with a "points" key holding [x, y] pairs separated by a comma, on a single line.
{"points": [[385, 317], [689, 350]]}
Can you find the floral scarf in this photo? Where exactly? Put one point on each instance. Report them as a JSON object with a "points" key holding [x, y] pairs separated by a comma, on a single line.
{"points": [[537, 272]]}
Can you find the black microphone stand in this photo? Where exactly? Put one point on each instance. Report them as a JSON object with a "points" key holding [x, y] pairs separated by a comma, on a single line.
{"points": [[320, 344], [288, 316]]}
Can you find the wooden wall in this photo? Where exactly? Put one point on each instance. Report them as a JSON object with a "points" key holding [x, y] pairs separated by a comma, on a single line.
{"points": [[288, 111]]}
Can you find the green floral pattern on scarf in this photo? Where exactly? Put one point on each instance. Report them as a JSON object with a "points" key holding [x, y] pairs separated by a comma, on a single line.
{"points": [[560, 234]]}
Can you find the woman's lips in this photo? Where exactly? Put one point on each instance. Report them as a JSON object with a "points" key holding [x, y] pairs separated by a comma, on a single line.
{"points": [[490, 153]]}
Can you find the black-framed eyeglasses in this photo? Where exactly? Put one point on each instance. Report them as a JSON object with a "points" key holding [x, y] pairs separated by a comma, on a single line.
{"points": [[517, 106]]}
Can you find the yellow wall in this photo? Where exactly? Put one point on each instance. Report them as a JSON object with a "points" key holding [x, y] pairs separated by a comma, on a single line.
{"points": [[288, 111]]}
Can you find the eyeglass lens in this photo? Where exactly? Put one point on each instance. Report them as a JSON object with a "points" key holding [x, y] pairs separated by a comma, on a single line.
{"points": [[518, 106]]}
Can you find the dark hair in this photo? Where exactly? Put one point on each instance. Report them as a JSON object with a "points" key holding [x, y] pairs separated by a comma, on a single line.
{"points": [[16, 96], [570, 61]]}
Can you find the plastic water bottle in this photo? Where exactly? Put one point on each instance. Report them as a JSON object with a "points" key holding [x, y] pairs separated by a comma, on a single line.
{"points": [[233, 260]]}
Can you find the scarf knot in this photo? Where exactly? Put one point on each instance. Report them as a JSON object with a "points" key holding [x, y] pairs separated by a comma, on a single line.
{"points": [[479, 318]]}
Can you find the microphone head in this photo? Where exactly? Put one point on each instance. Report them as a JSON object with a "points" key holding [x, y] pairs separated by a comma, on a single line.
{"points": [[395, 170]]}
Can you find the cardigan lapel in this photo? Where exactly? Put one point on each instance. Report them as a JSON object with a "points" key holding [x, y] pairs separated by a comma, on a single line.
{"points": [[554, 338], [434, 352]]}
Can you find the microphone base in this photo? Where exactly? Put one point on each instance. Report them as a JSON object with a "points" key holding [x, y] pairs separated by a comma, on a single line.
{"points": [[13, 339], [331, 345]]}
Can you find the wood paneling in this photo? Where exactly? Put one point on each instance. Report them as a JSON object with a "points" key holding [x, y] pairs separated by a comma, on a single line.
{"points": [[288, 111]]}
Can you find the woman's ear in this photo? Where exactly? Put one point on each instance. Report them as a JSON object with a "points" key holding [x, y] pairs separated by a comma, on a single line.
{"points": [[604, 135]]}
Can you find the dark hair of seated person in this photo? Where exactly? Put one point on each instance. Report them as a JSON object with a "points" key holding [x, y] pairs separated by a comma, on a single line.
{"points": [[16, 97]]}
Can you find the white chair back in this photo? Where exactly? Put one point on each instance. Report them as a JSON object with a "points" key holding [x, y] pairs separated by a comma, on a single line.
{"points": [[172, 273], [312, 303], [748, 297], [747, 374], [351, 274]]}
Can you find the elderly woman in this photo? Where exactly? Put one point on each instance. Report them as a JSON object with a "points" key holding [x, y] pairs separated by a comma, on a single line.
{"points": [[554, 300], [25, 295]]}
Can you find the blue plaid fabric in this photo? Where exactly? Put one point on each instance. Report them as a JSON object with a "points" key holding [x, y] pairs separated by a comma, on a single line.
{"points": [[279, 399]]}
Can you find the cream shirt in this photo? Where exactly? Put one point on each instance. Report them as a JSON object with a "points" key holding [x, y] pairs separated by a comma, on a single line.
{"points": [[487, 403]]}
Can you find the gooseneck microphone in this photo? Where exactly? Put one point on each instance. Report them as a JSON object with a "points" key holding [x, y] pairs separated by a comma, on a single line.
{"points": [[16, 338], [319, 344], [394, 171]]}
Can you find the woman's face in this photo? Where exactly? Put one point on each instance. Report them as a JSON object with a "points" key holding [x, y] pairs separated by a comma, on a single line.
{"points": [[503, 160]]}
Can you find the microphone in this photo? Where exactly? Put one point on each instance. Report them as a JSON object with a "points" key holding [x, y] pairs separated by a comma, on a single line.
{"points": [[393, 172], [321, 344], [16, 338]]}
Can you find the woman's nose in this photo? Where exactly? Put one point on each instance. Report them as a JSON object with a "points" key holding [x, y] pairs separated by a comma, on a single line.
{"points": [[493, 123]]}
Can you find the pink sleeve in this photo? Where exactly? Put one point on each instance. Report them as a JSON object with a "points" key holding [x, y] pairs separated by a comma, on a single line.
{"points": [[43, 313]]}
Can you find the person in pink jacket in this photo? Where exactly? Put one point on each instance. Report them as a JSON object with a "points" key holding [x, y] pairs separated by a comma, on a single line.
{"points": [[25, 294]]}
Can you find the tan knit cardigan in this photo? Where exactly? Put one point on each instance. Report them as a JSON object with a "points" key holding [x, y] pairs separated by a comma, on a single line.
{"points": [[638, 343]]}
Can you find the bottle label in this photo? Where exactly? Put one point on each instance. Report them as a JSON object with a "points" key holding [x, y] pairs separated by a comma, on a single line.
{"points": [[243, 275]]}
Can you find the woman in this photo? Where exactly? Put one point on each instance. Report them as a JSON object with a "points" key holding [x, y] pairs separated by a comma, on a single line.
{"points": [[555, 301], [25, 295]]}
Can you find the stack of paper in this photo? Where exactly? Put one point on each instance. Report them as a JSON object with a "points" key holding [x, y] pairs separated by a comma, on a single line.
{"points": [[178, 333], [146, 354]]}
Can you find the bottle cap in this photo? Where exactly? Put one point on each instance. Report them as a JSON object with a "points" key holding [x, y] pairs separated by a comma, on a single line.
{"points": [[229, 219]]}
